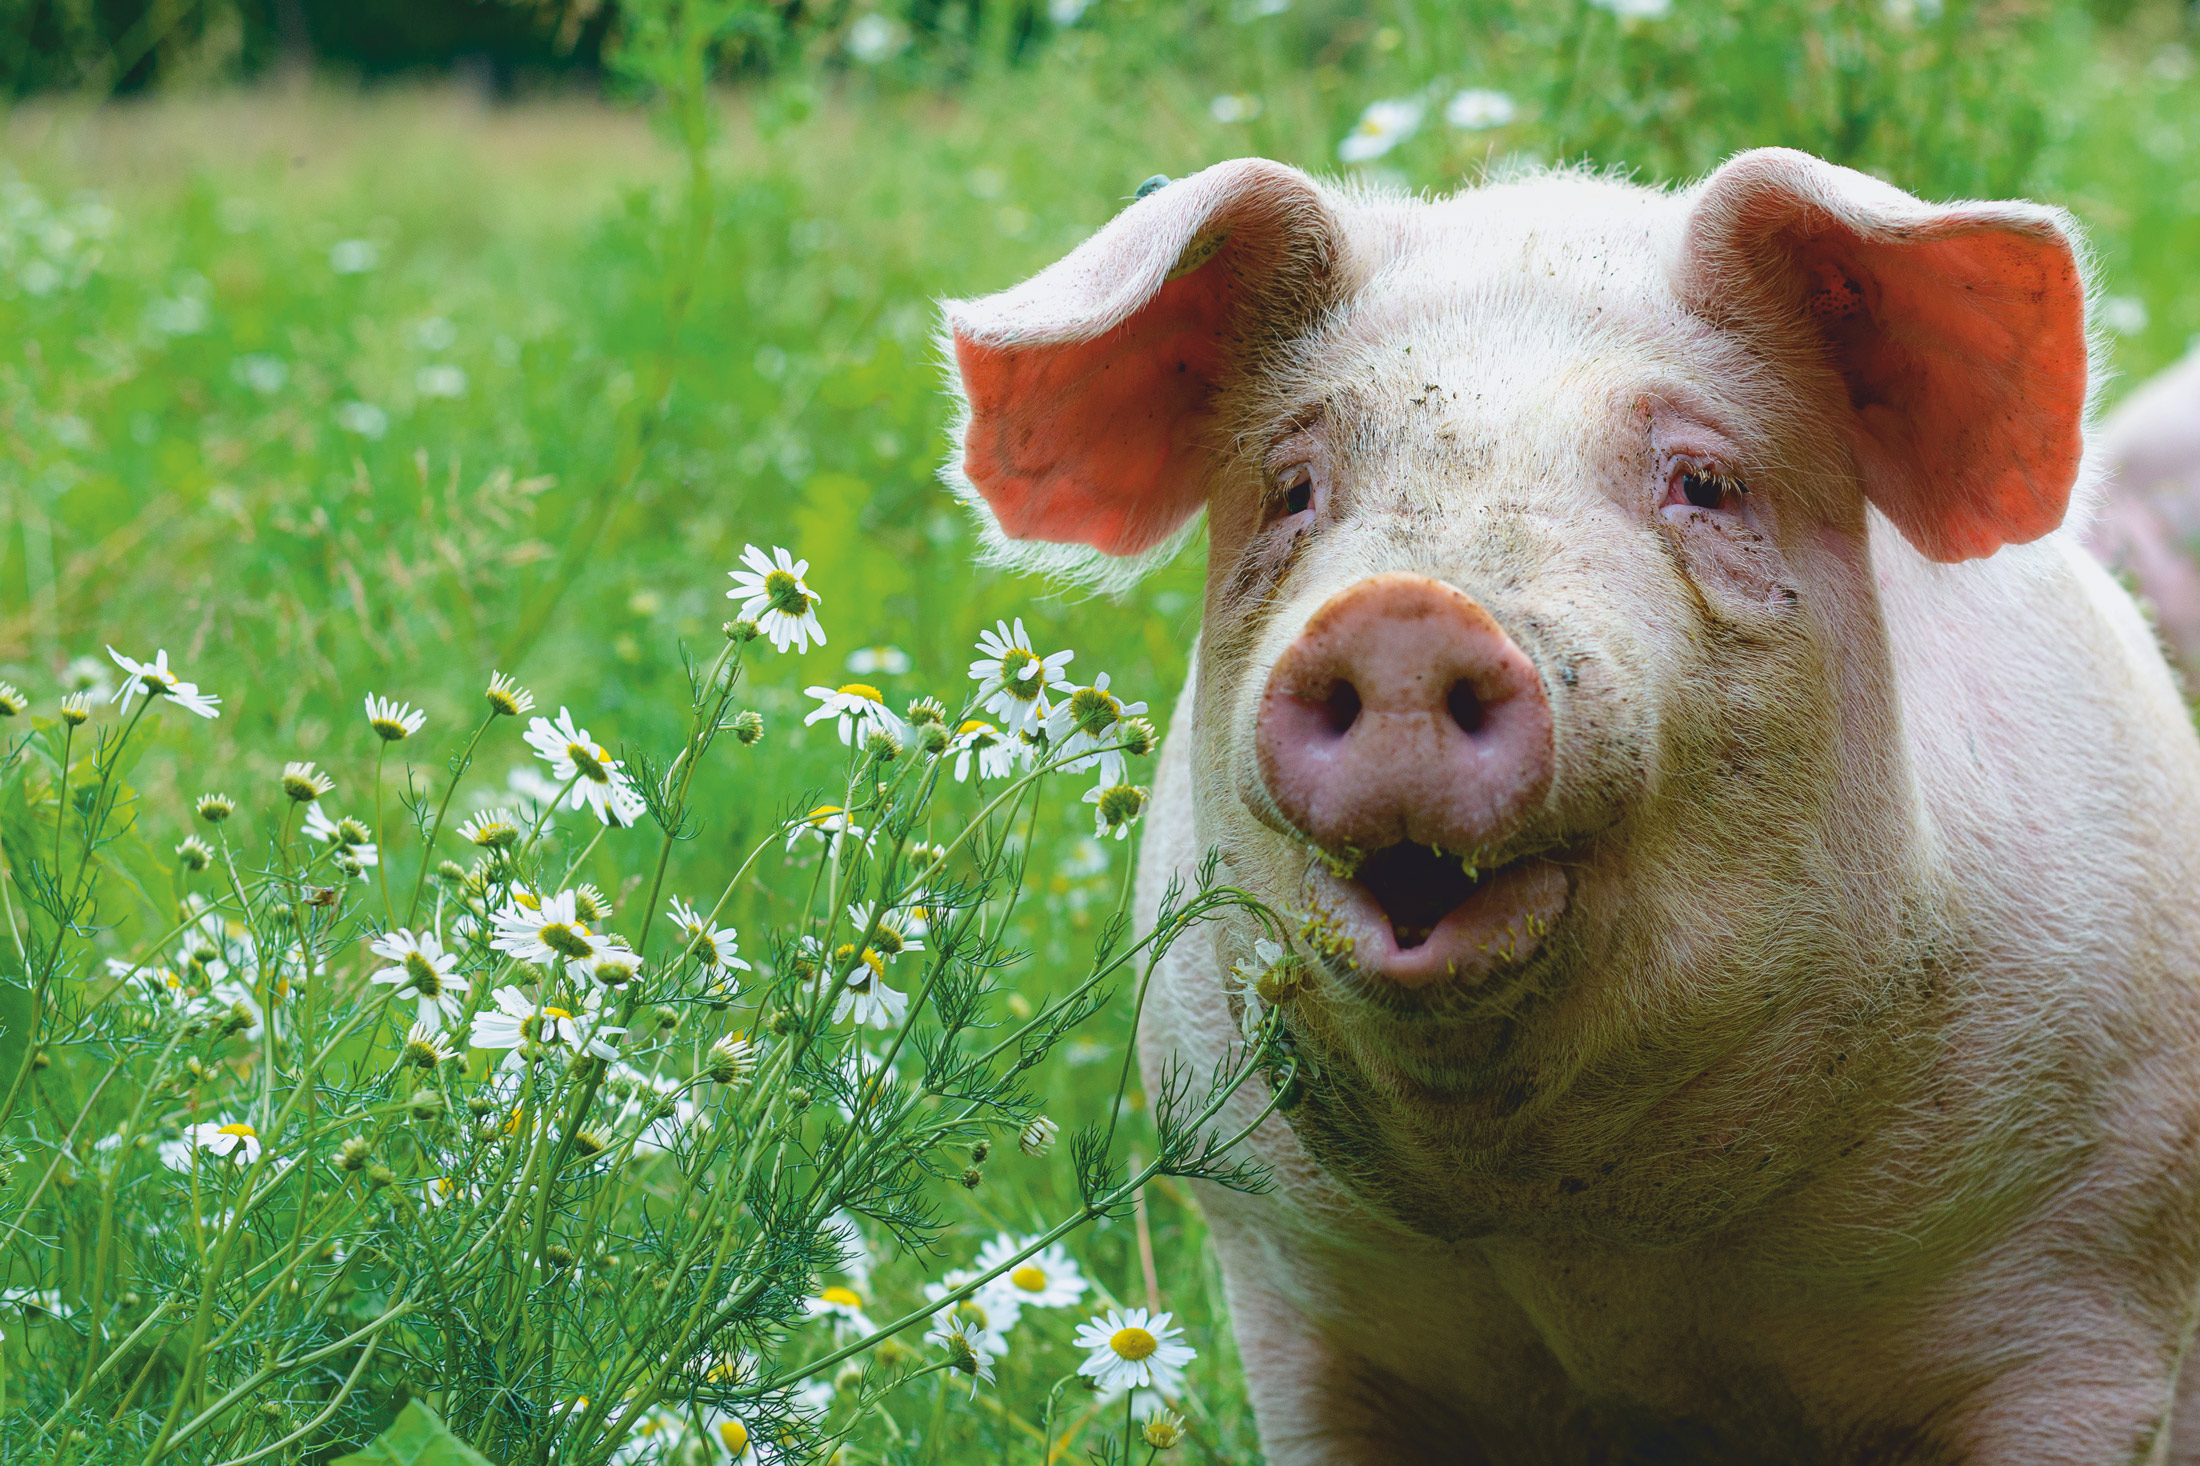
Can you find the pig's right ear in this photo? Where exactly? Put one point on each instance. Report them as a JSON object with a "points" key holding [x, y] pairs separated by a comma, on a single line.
{"points": [[1088, 390]]}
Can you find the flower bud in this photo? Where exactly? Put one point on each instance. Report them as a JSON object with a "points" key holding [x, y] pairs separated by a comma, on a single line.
{"points": [[353, 1153], [979, 1152], [1038, 1137], [1137, 736], [379, 1175], [76, 709], [238, 1019], [933, 739], [214, 808], [558, 1255], [742, 630], [1163, 1430], [748, 727], [425, 1104], [972, 1179], [195, 853], [882, 745], [667, 1018], [927, 712]]}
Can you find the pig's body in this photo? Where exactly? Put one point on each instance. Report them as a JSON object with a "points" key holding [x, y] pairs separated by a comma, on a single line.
{"points": [[1807, 1065], [2150, 513]]}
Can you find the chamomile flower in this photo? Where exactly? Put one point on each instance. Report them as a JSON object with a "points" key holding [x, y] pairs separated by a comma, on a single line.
{"points": [[872, 661], [13, 704], [726, 1431], [865, 997], [506, 698], [967, 1347], [859, 709], [1132, 1349], [493, 829], [1014, 682], [518, 1020], [719, 950], [1245, 984], [1115, 808], [1084, 724], [545, 930], [598, 780], [981, 741], [155, 680], [844, 1306], [776, 598], [393, 721], [985, 1316], [1381, 127], [420, 969], [830, 824], [1047, 1279], [899, 930], [303, 783], [224, 1138]]}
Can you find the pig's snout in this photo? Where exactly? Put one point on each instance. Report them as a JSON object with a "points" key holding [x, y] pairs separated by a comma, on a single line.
{"points": [[1405, 732], [1404, 713]]}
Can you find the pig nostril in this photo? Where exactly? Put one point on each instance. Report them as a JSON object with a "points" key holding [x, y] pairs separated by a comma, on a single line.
{"points": [[1465, 707], [1344, 707]]}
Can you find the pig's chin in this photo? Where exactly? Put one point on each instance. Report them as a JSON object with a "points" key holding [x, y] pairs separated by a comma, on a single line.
{"points": [[1416, 918]]}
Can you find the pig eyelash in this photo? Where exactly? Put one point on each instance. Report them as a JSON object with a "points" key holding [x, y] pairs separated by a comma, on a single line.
{"points": [[1701, 488], [1293, 493]]}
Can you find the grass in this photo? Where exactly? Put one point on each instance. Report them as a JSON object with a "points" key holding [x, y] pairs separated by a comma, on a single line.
{"points": [[215, 441]]}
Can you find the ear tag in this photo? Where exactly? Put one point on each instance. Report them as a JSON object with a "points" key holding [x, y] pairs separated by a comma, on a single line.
{"points": [[1202, 249]]}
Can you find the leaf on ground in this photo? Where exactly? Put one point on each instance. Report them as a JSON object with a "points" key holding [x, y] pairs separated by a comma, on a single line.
{"points": [[417, 1437]]}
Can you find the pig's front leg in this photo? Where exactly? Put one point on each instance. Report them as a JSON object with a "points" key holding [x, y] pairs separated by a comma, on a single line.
{"points": [[1319, 1403]]}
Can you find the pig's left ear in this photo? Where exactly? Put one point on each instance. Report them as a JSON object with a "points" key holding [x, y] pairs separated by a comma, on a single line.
{"points": [[1958, 330], [1089, 388]]}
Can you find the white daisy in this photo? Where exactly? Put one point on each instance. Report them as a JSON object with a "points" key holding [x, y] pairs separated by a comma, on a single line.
{"points": [[775, 597], [518, 1020], [493, 829], [968, 1345], [718, 950], [233, 993], [872, 661], [392, 720], [725, 1431], [1134, 1350], [1084, 723], [1245, 984], [859, 707], [1047, 1279], [1477, 108], [421, 969], [1014, 681], [1381, 127], [866, 998], [898, 931], [155, 680], [844, 1306], [1115, 808], [223, 1138], [598, 780], [830, 823], [545, 931], [995, 754], [985, 1316]]}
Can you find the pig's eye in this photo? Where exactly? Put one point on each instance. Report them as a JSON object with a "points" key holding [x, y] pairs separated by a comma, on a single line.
{"points": [[1705, 490], [1296, 492]]}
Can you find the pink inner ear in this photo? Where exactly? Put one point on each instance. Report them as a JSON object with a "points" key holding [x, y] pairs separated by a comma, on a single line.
{"points": [[1966, 361], [1097, 442]]}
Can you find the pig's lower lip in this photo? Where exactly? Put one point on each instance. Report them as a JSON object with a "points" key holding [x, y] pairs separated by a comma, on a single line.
{"points": [[1417, 918]]}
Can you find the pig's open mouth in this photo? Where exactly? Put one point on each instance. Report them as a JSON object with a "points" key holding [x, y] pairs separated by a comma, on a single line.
{"points": [[1417, 916], [1416, 887]]}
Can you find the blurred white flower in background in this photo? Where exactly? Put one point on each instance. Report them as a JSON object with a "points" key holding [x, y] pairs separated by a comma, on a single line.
{"points": [[1066, 12], [363, 418], [875, 38], [1234, 107], [1381, 127], [354, 256], [1636, 9], [440, 380], [1477, 108], [870, 661], [2126, 315], [264, 374]]}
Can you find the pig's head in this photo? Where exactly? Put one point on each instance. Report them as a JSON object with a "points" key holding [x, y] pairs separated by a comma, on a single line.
{"points": [[1544, 669]]}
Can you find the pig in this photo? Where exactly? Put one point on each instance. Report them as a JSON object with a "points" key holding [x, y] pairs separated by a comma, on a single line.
{"points": [[2149, 522], [1740, 847]]}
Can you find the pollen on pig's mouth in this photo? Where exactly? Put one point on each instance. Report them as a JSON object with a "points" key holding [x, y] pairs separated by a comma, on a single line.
{"points": [[1416, 887]]}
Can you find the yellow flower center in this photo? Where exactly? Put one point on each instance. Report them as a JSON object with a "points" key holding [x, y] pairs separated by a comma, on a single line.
{"points": [[822, 813], [423, 974], [528, 900], [567, 938], [239, 1128], [734, 1435], [590, 760], [1021, 673], [863, 690], [1133, 1344], [842, 1297], [1030, 1277], [555, 1013], [975, 726]]}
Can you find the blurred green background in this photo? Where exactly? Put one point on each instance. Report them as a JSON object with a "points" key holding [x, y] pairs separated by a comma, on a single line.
{"points": [[363, 347]]}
